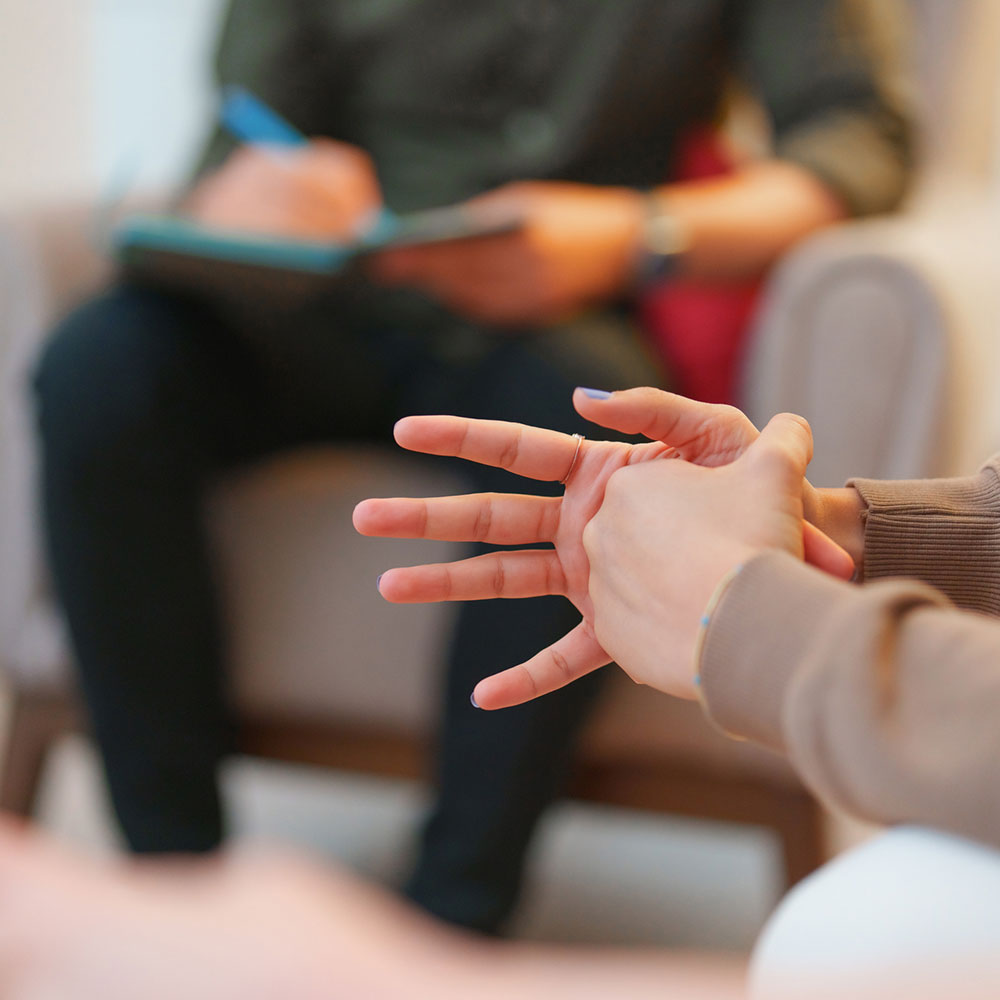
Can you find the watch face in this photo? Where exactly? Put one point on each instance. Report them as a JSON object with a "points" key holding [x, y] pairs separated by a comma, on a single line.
{"points": [[663, 243], [663, 234]]}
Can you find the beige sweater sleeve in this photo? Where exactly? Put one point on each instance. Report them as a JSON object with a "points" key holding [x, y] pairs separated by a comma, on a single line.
{"points": [[885, 697]]}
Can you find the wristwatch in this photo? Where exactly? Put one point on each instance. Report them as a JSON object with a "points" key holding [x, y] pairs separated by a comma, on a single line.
{"points": [[662, 242]]}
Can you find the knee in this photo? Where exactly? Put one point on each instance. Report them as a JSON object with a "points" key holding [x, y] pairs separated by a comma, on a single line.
{"points": [[103, 381]]}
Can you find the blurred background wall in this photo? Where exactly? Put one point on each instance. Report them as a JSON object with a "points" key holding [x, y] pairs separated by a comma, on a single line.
{"points": [[95, 94]]}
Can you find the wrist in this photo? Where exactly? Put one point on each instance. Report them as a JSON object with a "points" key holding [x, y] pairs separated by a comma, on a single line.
{"points": [[706, 618], [661, 241], [700, 608], [839, 514]]}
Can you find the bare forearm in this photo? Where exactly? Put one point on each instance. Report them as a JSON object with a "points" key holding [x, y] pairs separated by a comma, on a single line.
{"points": [[838, 513], [736, 226]]}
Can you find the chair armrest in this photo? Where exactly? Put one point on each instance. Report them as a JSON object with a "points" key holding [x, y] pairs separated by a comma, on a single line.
{"points": [[884, 335]]}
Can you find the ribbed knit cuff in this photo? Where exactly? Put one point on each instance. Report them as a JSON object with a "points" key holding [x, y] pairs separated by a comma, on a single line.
{"points": [[757, 636], [945, 532]]}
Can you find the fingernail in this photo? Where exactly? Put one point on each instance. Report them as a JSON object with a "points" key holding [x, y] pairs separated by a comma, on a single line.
{"points": [[378, 582], [595, 393], [472, 698]]}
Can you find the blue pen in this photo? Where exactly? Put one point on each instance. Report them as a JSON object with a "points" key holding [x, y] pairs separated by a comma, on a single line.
{"points": [[251, 121]]}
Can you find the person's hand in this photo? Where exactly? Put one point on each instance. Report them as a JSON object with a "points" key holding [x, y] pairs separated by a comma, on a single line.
{"points": [[669, 532], [714, 434], [709, 435], [323, 190], [577, 247]]}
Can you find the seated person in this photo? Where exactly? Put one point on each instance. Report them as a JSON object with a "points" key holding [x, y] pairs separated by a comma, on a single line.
{"points": [[145, 398], [885, 696]]}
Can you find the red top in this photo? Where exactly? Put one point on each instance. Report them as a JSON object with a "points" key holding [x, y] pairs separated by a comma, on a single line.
{"points": [[699, 328]]}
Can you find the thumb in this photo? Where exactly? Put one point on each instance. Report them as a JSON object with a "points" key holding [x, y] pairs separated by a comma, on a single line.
{"points": [[784, 448], [397, 265]]}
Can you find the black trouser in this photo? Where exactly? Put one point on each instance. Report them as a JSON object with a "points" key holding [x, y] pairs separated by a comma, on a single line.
{"points": [[144, 399]]}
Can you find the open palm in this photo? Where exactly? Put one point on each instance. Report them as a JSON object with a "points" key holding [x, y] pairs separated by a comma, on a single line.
{"points": [[700, 433]]}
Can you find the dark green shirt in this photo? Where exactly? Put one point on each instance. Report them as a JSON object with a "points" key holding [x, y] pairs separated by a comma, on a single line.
{"points": [[454, 97]]}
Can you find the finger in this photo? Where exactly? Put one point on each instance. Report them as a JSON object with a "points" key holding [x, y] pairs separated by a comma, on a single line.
{"points": [[824, 553], [532, 573], [409, 264], [426, 261], [574, 655], [499, 518], [451, 264], [531, 452], [391, 266], [497, 308], [683, 423], [785, 447]]}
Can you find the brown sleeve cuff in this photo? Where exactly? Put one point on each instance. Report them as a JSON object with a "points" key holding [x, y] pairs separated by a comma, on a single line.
{"points": [[945, 532], [757, 636]]}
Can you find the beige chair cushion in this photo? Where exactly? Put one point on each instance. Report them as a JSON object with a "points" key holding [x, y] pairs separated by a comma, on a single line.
{"points": [[311, 636]]}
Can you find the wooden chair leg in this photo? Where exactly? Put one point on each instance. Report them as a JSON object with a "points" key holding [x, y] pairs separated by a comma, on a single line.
{"points": [[35, 722], [799, 823]]}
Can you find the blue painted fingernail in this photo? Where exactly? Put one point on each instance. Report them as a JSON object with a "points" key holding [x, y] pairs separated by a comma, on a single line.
{"points": [[378, 582], [595, 393], [472, 698]]}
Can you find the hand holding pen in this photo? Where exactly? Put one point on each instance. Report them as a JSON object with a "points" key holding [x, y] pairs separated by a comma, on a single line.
{"points": [[280, 183]]}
